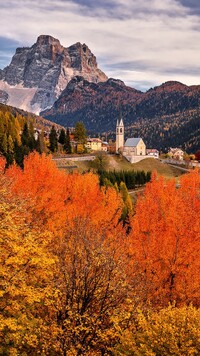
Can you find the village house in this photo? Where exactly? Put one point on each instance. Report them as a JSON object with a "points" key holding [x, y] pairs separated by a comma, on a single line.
{"points": [[94, 144], [176, 153], [152, 152]]}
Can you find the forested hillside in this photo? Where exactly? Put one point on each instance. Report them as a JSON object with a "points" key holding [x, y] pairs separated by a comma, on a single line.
{"points": [[165, 116], [17, 134], [178, 130], [76, 281]]}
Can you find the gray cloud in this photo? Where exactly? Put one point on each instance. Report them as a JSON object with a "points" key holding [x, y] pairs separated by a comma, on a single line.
{"points": [[152, 66], [122, 10], [7, 49], [91, 4], [137, 41], [7, 43], [132, 65], [192, 5]]}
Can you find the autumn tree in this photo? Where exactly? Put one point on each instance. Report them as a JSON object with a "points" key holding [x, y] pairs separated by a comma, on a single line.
{"points": [[26, 272], [71, 275], [77, 244], [44, 186], [165, 241], [92, 290], [170, 331], [90, 276], [9, 134]]}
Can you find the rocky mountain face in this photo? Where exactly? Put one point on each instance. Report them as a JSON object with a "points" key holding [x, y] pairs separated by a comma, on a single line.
{"points": [[37, 75], [167, 115], [3, 97]]}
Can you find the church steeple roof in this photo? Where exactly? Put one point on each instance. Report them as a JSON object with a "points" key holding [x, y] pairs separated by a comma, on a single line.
{"points": [[121, 122]]}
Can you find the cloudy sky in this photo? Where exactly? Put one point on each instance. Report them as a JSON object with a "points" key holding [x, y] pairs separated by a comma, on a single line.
{"points": [[142, 42]]}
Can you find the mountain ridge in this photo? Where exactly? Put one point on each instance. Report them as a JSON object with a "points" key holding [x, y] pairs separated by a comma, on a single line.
{"points": [[156, 115]]}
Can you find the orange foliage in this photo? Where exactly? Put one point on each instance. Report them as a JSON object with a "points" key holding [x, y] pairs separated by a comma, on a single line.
{"points": [[69, 230], [165, 240], [43, 187], [71, 275], [2, 165], [88, 201], [56, 199]]}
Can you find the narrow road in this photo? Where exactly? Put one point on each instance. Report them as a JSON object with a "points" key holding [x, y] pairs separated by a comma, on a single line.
{"points": [[74, 158], [181, 168]]}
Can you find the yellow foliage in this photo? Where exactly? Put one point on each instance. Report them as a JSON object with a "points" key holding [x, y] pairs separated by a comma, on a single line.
{"points": [[171, 331], [26, 270]]}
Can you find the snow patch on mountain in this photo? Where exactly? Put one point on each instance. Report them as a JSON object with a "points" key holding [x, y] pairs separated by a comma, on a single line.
{"points": [[20, 97]]}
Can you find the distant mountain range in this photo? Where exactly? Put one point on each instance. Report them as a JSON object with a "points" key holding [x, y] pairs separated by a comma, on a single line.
{"points": [[67, 86]]}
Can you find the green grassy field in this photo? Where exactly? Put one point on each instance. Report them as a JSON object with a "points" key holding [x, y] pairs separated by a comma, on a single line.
{"points": [[162, 169], [118, 163]]}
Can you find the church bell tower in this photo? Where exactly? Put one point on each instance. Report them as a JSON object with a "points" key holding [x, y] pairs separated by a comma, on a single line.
{"points": [[119, 135]]}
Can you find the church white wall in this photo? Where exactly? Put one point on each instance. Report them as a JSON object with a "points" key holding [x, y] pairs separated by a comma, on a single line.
{"points": [[135, 159]]}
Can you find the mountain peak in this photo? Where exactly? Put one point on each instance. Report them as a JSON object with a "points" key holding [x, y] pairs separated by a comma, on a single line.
{"points": [[168, 86], [115, 81], [47, 40], [44, 70]]}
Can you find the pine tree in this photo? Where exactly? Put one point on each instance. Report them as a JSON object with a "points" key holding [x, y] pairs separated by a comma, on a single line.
{"points": [[10, 144], [128, 206], [32, 141], [4, 144], [19, 153], [62, 137], [67, 145], [53, 140], [1, 130], [25, 137], [40, 144], [80, 133]]}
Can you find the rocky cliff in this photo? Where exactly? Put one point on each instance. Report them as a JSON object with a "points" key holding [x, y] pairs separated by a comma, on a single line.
{"points": [[37, 75], [3, 97]]}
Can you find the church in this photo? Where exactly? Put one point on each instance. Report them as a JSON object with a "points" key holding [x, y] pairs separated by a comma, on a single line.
{"points": [[134, 149]]}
